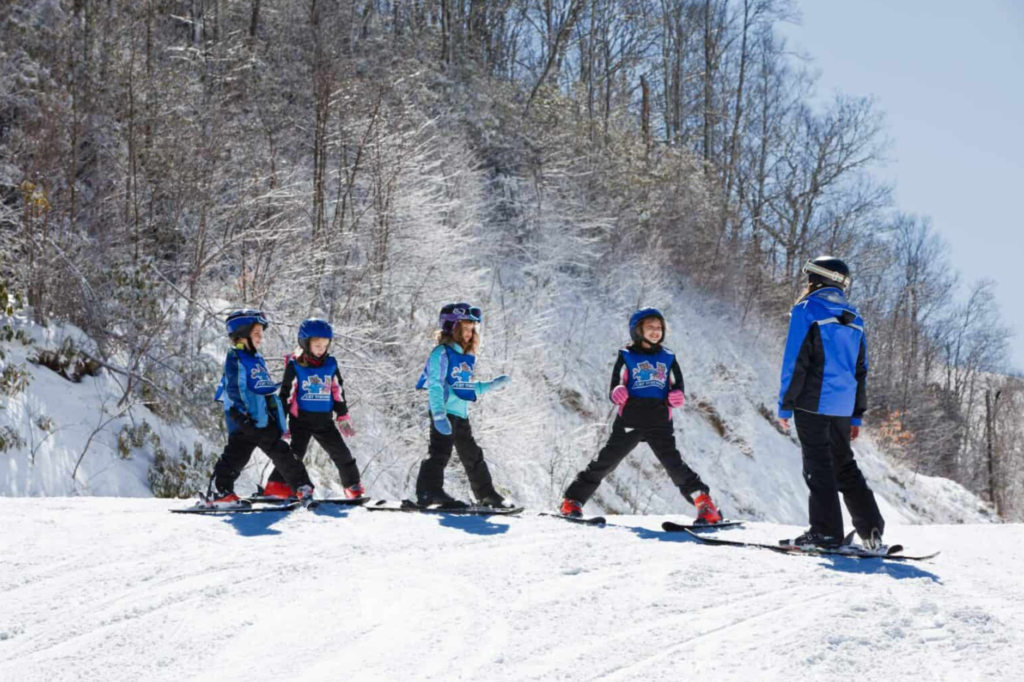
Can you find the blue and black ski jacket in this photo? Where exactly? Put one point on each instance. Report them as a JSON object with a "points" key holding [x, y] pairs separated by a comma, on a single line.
{"points": [[247, 387], [825, 366]]}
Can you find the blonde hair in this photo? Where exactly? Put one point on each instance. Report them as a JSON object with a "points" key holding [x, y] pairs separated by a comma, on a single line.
{"points": [[471, 348]]}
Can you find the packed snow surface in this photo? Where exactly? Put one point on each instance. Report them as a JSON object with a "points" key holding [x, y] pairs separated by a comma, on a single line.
{"points": [[120, 589]]}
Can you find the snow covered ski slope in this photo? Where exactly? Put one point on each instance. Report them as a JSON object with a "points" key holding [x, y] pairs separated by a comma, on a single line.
{"points": [[118, 589]]}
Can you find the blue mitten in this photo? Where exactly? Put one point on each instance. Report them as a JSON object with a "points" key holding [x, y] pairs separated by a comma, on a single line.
{"points": [[441, 423], [494, 384]]}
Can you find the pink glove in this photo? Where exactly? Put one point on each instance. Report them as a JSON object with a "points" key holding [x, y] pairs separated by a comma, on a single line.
{"points": [[619, 396], [345, 426], [676, 398]]}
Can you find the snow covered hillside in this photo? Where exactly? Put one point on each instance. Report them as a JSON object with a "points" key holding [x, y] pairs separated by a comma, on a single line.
{"points": [[537, 434], [66, 437], [117, 589]]}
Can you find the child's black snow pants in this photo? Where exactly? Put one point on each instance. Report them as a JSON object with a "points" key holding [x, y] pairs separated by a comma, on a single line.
{"points": [[431, 475], [325, 431], [660, 436], [238, 452]]}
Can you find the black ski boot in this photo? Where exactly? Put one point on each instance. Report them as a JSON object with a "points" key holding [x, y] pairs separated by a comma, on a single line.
{"points": [[440, 499], [494, 500], [812, 539]]}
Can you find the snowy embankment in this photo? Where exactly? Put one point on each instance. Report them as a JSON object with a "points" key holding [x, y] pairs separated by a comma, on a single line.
{"points": [[119, 589], [67, 437]]}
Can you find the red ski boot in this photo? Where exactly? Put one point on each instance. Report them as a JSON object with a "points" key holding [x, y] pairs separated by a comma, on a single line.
{"points": [[354, 492], [706, 510], [227, 501], [278, 489], [571, 508]]}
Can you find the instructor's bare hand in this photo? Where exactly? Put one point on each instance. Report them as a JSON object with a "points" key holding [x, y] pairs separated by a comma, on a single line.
{"points": [[854, 432], [784, 423]]}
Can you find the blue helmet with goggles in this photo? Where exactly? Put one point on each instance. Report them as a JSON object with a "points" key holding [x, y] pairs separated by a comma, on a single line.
{"points": [[314, 328], [453, 313], [240, 322]]}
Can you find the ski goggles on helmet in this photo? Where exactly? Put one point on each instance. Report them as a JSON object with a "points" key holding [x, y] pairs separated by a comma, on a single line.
{"points": [[463, 311], [811, 268]]}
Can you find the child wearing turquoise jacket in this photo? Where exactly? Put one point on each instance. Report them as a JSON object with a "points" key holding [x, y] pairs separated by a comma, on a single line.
{"points": [[448, 380]]}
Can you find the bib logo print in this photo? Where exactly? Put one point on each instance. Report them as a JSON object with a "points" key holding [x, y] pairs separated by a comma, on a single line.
{"points": [[462, 373], [462, 377], [260, 378], [315, 388], [645, 374]]}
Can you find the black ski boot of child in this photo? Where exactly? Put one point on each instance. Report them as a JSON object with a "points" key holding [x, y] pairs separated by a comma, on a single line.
{"points": [[494, 500], [441, 499]]}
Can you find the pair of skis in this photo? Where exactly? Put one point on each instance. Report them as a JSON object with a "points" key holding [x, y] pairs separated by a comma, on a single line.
{"points": [[667, 526], [891, 553], [261, 504], [462, 509]]}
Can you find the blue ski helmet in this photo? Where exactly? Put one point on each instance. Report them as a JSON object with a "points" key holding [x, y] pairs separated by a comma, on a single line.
{"points": [[314, 327], [240, 322], [638, 317], [453, 312]]}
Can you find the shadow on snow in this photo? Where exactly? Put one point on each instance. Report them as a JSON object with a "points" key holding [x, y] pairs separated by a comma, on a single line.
{"points": [[843, 564]]}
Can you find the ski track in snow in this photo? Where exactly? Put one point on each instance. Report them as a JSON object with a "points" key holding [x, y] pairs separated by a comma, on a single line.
{"points": [[118, 589]]}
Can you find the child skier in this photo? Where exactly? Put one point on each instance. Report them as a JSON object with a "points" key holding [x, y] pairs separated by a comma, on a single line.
{"points": [[253, 414], [646, 384], [448, 380], [314, 392], [824, 377]]}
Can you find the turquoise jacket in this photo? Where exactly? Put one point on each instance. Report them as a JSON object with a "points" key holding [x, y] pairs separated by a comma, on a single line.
{"points": [[441, 398]]}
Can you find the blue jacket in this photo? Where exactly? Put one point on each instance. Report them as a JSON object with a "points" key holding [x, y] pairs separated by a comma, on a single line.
{"points": [[448, 380], [247, 386], [825, 366]]}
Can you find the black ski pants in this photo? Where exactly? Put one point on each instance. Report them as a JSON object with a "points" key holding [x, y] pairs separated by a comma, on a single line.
{"points": [[830, 469], [333, 444], [238, 452], [431, 475], [661, 438]]}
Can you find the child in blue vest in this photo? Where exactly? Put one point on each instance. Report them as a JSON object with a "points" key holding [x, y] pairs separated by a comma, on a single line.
{"points": [[448, 380], [646, 384], [253, 414], [314, 392]]}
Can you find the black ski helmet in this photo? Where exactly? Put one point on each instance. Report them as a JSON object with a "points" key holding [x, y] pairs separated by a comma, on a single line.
{"points": [[828, 270], [637, 318]]}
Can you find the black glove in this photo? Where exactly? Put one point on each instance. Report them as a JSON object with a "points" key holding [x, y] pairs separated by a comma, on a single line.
{"points": [[246, 423]]}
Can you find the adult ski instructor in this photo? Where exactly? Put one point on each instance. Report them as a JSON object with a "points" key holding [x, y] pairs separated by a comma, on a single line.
{"points": [[824, 376]]}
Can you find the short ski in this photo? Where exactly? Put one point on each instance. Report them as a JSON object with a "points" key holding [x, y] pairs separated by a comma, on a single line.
{"points": [[892, 553], [670, 527], [344, 501], [585, 520], [470, 510], [250, 509], [262, 499]]}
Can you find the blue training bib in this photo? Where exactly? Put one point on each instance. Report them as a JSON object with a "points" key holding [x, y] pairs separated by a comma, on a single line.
{"points": [[648, 375], [314, 386]]}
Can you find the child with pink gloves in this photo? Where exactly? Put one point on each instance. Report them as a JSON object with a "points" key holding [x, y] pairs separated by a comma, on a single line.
{"points": [[647, 384]]}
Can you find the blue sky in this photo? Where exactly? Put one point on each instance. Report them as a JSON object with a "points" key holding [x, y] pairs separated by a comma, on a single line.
{"points": [[950, 76]]}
